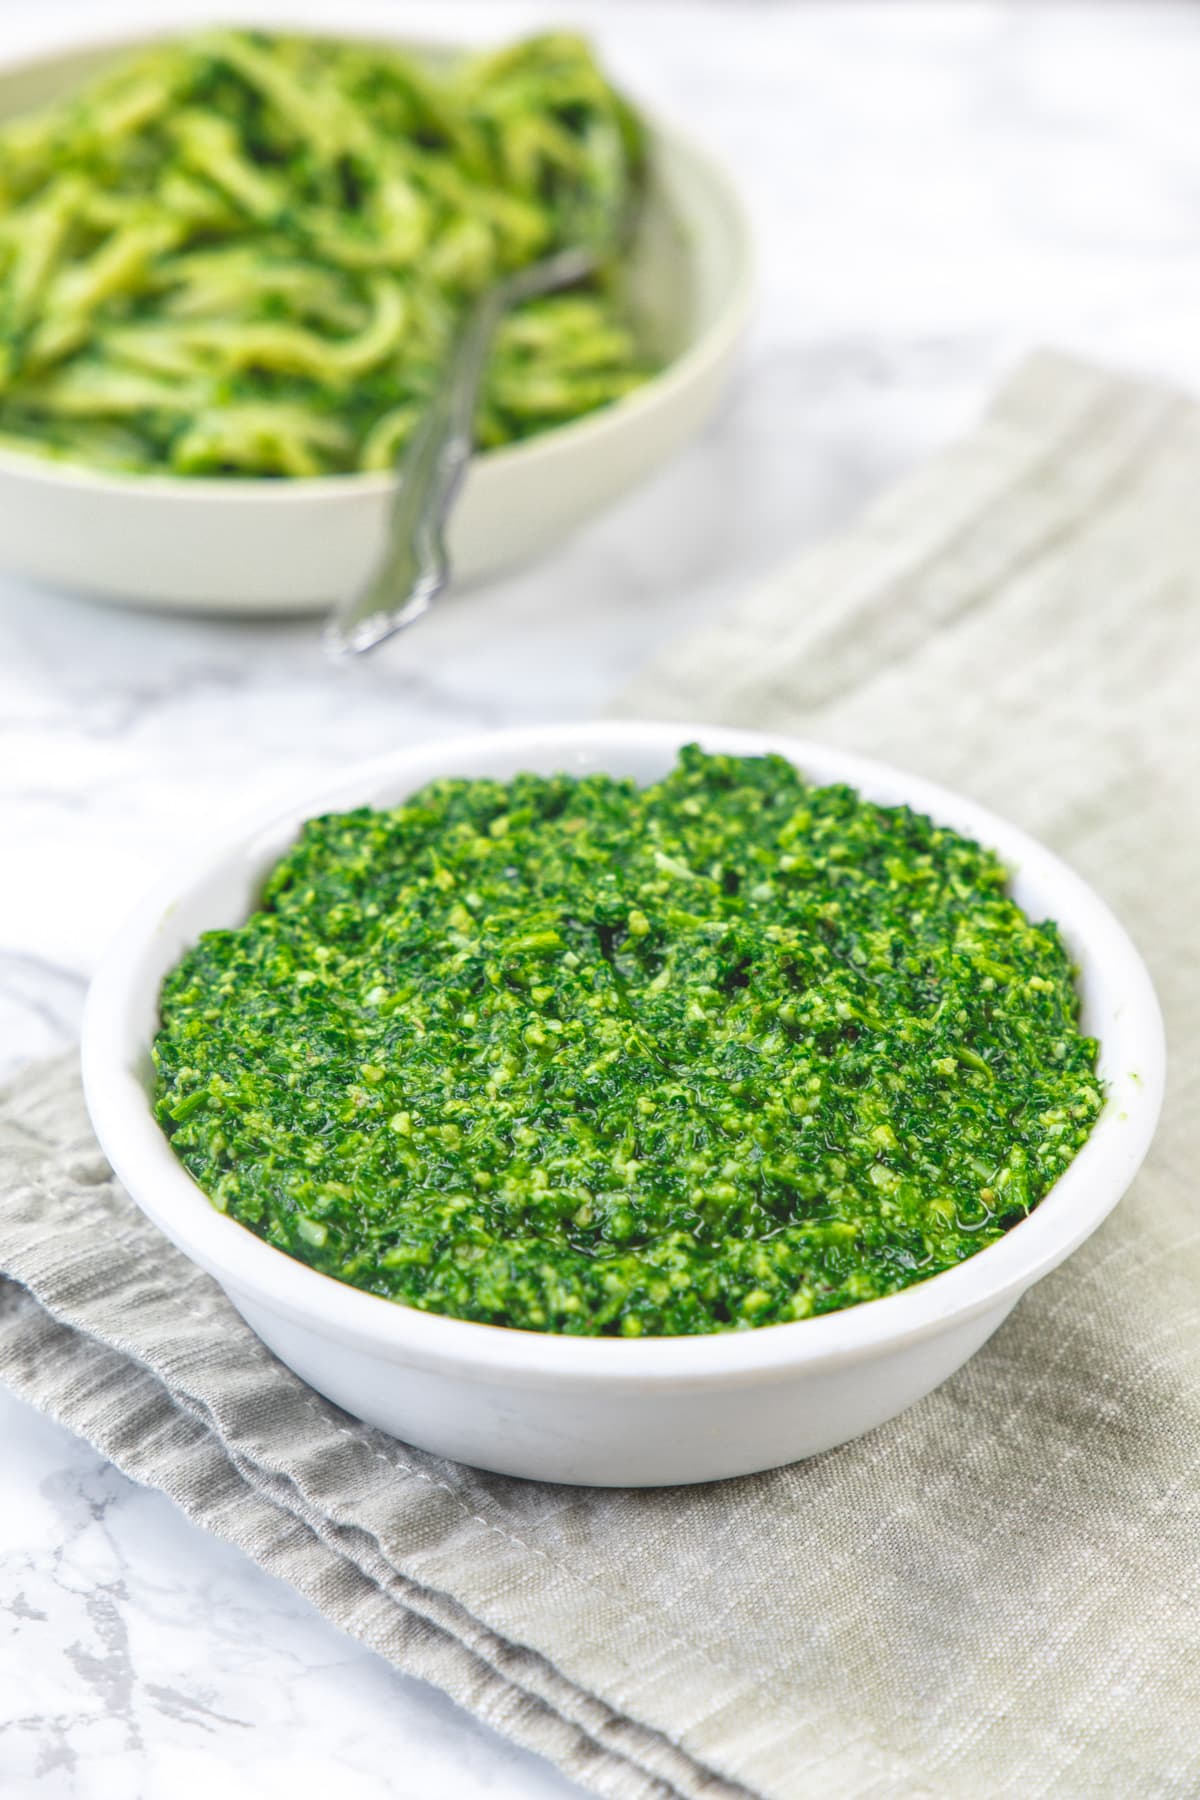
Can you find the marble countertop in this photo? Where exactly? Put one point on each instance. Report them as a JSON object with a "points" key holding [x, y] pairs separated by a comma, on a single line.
{"points": [[936, 189]]}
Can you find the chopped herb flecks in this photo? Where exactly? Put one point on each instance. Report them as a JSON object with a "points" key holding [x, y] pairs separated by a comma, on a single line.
{"points": [[576, 1056]]}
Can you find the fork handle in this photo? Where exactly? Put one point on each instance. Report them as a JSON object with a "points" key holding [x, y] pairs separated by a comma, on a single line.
{"points": [[415, 567]]}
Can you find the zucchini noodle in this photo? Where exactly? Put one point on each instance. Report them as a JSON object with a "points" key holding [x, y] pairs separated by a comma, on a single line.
{"points": [[240, 254]]}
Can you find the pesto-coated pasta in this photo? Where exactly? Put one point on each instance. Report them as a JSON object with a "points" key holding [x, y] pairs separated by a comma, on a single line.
{"points": [[241, 254]]}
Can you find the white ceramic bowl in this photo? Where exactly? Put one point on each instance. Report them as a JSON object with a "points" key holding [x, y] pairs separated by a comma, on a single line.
{"points": [[617, 1412], [294, 545]]}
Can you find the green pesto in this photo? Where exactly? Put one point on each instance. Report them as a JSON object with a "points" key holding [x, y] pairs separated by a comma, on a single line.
{"points": [[574, 1056]]}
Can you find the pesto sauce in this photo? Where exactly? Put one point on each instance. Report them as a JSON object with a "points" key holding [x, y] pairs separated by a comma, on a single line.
{"points": [[569, 1055]]}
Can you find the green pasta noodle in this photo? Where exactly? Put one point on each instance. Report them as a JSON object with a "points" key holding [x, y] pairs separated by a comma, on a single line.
{"points": [[245, 254]]}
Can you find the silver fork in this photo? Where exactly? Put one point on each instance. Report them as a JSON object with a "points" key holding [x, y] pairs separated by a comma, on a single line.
{"points": [[415, 567]]}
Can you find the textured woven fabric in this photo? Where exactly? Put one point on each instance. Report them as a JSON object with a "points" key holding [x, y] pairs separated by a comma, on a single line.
{"points": [[995, 1594]]}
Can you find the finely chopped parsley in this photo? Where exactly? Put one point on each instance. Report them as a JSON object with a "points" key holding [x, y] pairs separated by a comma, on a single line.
{"points": [[571, 1055]]}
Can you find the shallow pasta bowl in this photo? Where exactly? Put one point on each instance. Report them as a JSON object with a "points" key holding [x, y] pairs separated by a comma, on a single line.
{"points": [[613, 1411], [294, 545]]}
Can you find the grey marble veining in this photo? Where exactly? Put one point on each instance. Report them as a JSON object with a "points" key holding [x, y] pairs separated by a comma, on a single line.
{"points": [[936, 188]]}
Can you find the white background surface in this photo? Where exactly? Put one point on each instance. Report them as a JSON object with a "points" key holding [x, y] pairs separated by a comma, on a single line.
{"points": [[936, 188]]}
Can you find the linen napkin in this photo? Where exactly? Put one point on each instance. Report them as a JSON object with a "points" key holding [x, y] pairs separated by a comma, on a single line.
{"points": [[994, 1594]]}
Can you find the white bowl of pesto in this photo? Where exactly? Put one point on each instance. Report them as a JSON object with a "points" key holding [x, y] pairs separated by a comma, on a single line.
{"points": [[114, 446], [616, 1410]]}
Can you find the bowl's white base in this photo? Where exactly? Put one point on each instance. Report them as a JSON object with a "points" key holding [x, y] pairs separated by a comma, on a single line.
{"points": [[627, 1435]]}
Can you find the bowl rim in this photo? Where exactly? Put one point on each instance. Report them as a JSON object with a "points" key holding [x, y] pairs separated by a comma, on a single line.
{"points": [[710, 345], [993, 1278]]}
